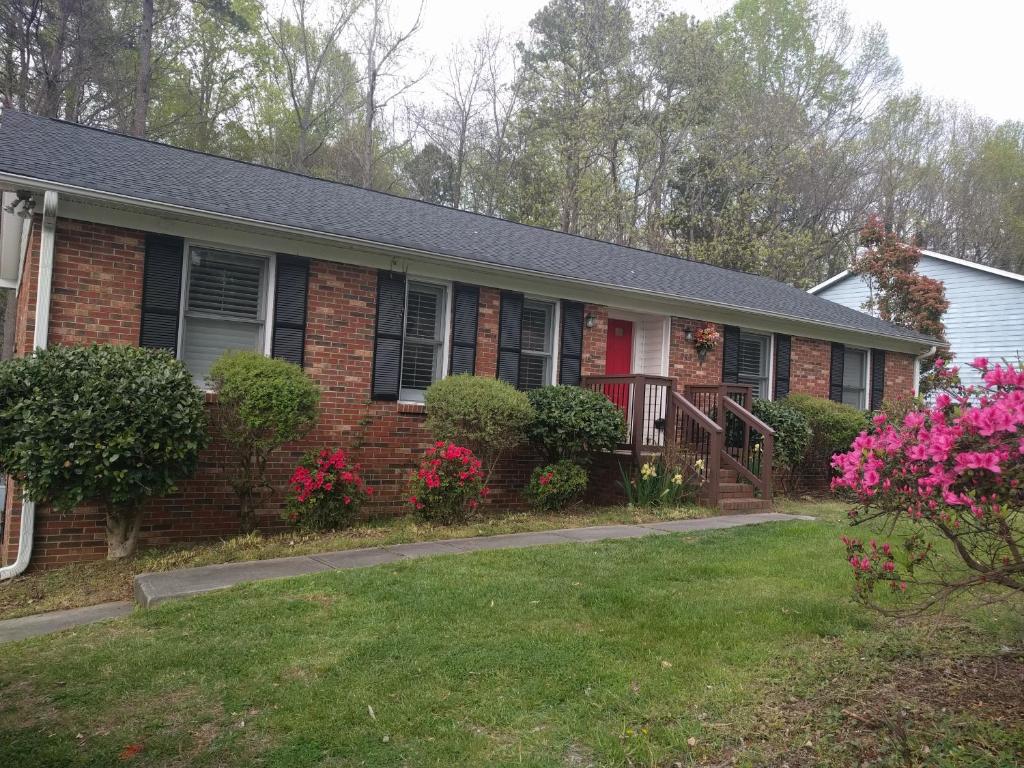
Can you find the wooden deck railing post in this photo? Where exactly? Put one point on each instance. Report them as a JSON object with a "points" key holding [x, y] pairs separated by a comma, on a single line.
{"points": [[767, 454], [639, 396], [717, 444]]}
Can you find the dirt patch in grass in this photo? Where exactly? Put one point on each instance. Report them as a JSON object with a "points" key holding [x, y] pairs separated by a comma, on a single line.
{"points": [[944, 711]]}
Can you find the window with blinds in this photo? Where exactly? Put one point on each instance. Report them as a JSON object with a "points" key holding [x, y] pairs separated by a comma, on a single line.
{"points": [[224, 307], [753, 362], [422, 354], [538, 330], [855, 377]]}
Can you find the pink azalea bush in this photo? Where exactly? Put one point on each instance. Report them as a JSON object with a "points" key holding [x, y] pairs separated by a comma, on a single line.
{"points": [[947, 480], [327, 492], [449, 485]]}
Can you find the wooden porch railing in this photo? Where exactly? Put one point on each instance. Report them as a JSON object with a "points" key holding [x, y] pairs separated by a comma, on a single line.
{"points": [[748, 443], [713, 423]]}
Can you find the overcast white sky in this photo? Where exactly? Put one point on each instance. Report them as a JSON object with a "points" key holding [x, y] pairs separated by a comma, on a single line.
{"points": [[969, 50]]}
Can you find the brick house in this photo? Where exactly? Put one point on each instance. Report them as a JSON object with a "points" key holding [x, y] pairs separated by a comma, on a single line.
{"points": [[116, 239]]}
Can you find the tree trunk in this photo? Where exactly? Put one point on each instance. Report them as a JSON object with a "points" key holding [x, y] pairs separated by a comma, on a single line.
{"points": [[248, 519], [145, 71], [122, 531]]}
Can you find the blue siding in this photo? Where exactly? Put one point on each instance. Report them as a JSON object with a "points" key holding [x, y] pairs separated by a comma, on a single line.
{"points": [[985, 316]]}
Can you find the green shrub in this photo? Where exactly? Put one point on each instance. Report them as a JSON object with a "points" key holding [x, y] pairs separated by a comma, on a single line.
{"points": [[833, 427], [792, 435], [108, 424], [572, 422], [487, 416], [262, 403], [556, 486]]}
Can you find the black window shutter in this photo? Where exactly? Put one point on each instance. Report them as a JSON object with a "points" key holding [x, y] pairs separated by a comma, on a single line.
{"points": [[387, 340], [465, 310], [835, 373], [877, 378], [161, 292], [731, 355], [510, 333], [289, 339], [783, 349], [570, 352]]}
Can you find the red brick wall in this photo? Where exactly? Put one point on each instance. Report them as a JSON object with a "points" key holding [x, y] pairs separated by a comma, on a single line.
{"points": [[487, 333], [595, 341], [899, 375], [683, 363], [809, 366], [97, 287]]}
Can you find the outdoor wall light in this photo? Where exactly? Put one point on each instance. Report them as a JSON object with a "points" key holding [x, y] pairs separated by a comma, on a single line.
{"points": [[688, 334], [590, 321]]}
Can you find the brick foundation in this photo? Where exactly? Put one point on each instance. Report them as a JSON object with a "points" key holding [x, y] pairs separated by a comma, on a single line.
{"points": [[97, 293]]}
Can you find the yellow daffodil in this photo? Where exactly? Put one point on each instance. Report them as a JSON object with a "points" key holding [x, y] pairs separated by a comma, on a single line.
{"points": [[677, 478], [699, 465], [647, 471]]}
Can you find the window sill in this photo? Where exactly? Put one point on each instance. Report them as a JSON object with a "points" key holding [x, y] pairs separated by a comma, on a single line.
{"points": [[412, 408]]}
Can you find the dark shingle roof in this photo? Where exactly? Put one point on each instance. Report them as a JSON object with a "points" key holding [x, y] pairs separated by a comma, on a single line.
{"points": [[65, 153]]}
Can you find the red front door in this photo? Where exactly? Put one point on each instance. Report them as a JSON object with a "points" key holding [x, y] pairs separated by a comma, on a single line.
{"points": [[619, 357], [619, 361]]}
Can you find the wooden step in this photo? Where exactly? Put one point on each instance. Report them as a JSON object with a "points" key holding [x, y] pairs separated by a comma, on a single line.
{"points": [[745, 505], [727, 476]]}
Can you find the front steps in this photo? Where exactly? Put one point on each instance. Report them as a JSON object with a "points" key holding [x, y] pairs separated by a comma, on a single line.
{"points": [[735, 496]]}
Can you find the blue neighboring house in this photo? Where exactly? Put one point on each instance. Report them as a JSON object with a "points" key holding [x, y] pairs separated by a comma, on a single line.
{"points": [[986, 306]]}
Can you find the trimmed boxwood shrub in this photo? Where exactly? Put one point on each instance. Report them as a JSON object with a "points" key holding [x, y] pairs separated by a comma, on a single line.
{"points": [[833, 428], [556, 486], [572, 422], [110, 424], [487, 416], [262, 403], [792, 435]]}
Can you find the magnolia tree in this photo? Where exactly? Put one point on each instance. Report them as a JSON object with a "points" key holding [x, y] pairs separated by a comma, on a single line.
{"points": [[945, 485]]}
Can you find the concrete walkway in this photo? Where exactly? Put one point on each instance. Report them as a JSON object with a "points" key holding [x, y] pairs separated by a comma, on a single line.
{"points": [[55, 621], [154, 588]]}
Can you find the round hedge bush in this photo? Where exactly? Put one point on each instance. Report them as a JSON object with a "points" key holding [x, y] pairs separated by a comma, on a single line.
{"points": [[556, 486], [487, 416], [262, 403], [572, 422], [792, 431], [112, 424]]}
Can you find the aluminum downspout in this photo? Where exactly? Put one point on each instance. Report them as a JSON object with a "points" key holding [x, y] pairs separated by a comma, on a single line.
{"points": [[42, 326], [917, 368]]}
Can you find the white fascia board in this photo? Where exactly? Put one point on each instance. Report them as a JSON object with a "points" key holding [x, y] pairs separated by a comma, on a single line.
{"points": [[831, 281], [973, 265]]}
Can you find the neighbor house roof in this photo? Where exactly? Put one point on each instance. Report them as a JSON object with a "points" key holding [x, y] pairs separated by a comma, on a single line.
{"points": [[934, 255], [62, 154]]}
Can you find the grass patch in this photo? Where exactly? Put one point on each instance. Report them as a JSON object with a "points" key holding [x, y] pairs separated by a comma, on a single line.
{"points": [[610, 654], [102, 581]]}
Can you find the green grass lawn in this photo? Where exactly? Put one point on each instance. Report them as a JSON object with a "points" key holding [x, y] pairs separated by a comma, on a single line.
{"points": [[737, 645], [102, 581]]}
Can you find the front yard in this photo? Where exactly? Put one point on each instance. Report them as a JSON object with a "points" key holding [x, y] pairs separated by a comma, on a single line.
{"points": [[82, 584], [729, 647]]}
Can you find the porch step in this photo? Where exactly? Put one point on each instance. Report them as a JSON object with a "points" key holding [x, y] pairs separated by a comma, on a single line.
{"points": [[745, 505], [735, 490], [727, 476]]}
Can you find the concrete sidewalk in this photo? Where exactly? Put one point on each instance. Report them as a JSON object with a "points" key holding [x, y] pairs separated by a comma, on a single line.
{"points": [[154, 588]]}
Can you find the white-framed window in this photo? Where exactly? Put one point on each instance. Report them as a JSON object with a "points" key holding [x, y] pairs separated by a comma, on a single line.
{"points": [[754, 353], [536, 362], [224, 307], [423, 347], [855, 377]]}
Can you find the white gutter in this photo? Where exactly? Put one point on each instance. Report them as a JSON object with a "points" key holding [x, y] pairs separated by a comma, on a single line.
{"points": [[42, 327], [917, 368], [305, 232]]}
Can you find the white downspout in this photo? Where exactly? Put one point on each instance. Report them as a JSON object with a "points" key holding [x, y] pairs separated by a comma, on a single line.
{"points": [[42, 327], [917, 368]]}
